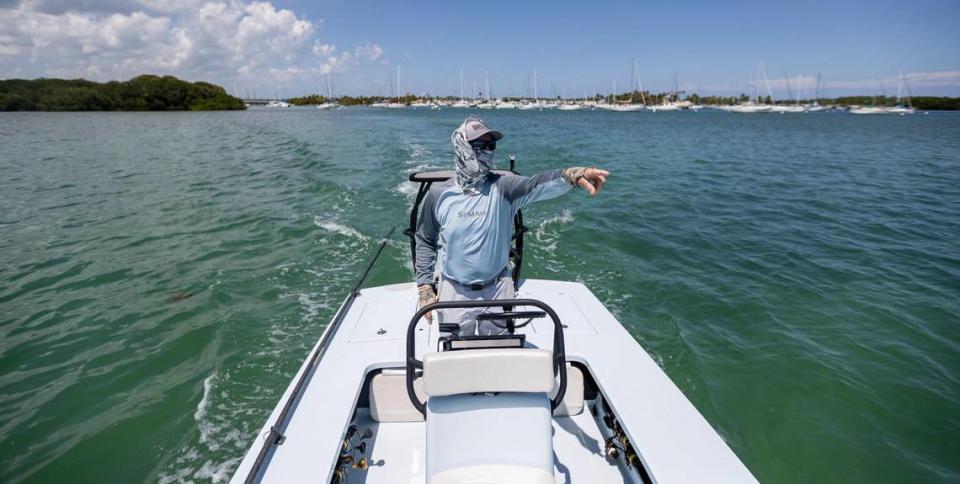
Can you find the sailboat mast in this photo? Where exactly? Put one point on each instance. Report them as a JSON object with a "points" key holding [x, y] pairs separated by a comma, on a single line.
{"points": [[398, 84], [486, 77], [899, 87], [799, 87], [536, 94], [461, 85], [766, 82]]}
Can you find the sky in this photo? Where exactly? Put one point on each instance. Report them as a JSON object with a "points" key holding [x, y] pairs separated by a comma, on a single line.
{"points": [[291, 47]]}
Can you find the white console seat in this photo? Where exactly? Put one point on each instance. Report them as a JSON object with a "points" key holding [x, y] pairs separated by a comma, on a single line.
{"points": [[502, 438], [488, 370]]}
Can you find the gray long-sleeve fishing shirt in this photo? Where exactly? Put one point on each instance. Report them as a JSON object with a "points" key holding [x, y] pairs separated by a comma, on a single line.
{"points": [[472, 232]]}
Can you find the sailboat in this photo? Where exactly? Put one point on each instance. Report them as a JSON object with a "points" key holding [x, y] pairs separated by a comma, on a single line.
{"points": [[397, 104], [753, 105], [630, 105], [900, 108], [562, 394], [526, 105], [488, 104], [815, 106], [566, 105], [462, 103], [670, 102], [328, 104], [787, 108]]}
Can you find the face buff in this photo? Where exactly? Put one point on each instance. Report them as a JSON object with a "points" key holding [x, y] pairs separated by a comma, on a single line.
{"points": [[472, 167]]}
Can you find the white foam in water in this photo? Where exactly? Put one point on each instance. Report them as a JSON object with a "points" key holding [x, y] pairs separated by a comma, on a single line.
{"points": [[205, 427], [417, 150], [311, 307], [407, 189], [547, 240], [338, 228]]}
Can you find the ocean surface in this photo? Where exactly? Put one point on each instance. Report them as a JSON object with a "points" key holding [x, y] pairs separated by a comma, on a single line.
{"points": [[163, 275]]}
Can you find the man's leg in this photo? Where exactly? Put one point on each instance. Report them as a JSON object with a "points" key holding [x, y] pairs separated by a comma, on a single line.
{"points": [[503, 289], [467, 318]]}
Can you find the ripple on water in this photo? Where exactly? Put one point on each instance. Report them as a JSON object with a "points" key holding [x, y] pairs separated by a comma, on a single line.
{"points": [[162, 276]]}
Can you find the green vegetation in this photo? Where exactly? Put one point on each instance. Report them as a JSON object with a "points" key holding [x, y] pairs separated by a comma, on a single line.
{"points": [[358, 100], [923, 103], [142, 93]]}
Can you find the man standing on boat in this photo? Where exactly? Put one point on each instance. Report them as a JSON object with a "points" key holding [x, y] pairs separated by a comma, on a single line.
{"points": [[468, 220]]}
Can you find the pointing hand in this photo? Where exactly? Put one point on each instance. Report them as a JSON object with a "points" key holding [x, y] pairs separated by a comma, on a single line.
{"points": [[591, 179]]}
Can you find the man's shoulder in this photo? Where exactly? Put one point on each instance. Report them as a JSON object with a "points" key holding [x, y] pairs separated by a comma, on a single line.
{"points": [[437, 189]]}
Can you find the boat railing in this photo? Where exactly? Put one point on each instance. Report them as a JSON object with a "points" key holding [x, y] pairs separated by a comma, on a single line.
{"points": [[559, 351]]}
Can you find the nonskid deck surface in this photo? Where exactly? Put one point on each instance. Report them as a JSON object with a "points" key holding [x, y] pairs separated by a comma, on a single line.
{"points": [[675, 443]]}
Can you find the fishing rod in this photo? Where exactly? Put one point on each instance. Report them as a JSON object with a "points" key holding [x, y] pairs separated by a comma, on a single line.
{"points": [[276, 437]]}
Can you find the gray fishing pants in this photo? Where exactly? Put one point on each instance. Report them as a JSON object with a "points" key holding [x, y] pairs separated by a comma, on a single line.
{"points": [[466, 318]]}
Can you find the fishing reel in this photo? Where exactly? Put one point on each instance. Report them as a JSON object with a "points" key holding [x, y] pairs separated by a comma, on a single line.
{"points": [[618, 444], [352, 445]]}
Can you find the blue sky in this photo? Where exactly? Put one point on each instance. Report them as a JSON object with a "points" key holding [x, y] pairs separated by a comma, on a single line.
{"points": [[576, 47]]}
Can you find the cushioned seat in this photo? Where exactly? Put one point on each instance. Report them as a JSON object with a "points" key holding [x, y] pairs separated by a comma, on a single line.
{"points": [[489, 438]]}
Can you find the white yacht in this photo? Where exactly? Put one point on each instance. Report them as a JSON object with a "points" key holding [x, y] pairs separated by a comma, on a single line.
{"points": [[570, 107], [869, 110], [665, 107], [786, 108], [563, 394], [625, 107], [749, 107]]}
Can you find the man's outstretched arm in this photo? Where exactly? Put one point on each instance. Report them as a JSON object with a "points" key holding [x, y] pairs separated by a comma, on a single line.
{"points": [[522, 190]]}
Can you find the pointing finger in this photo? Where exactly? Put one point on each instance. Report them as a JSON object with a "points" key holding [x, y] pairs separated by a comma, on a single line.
{"points": [[583, 182]]}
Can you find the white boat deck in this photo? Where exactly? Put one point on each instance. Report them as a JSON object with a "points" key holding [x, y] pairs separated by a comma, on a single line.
{"points": [[675, 443], [397, 454]]}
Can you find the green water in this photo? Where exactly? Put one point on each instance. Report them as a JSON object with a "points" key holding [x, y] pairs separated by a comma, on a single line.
{"points": [[162, 276]]}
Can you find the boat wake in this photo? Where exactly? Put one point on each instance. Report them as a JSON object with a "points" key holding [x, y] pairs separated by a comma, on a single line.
{"points": [[547, 233], [338, 228], [213, 435], [204, 426]]}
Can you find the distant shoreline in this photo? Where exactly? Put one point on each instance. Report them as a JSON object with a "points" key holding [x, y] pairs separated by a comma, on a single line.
{"points": [[922, 103], [142, 93], [167, 93]]}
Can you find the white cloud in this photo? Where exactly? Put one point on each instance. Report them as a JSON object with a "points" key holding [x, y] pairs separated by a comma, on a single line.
{"points": [[227, 42], [338, 63], [323, 50], [371, 52]]}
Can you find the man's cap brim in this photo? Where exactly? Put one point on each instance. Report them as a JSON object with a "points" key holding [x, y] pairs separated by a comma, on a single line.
{"points": [[496, 134]]}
